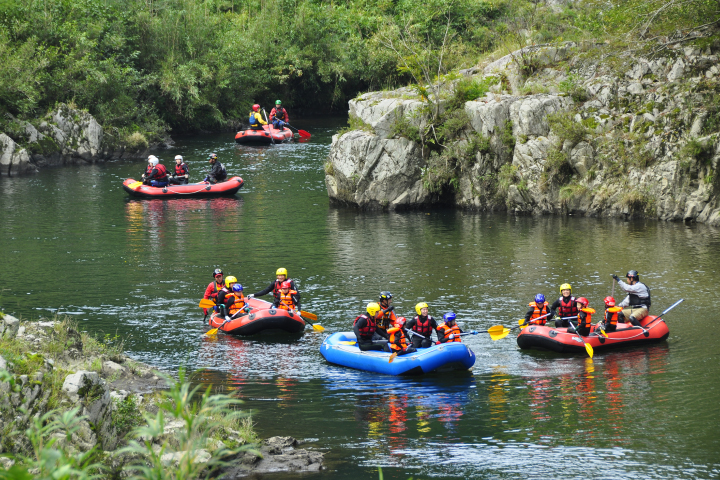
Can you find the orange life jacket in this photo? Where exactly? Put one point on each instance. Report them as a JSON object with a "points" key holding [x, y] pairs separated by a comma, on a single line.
{"points": [[588, 318], [286, 301], [611, 315], [447, 331], [384, 320], [539, 312], [237, 305], [397, 340]]}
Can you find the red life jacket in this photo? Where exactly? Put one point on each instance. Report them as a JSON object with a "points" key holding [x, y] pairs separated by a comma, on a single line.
{"points": [[422, 328], [286, 301], [611, 315], [180, 170], [447, 331], [539, 312], [276, 287], [397, 340], [369, 329], [162, 173], [149, 170], [568, 309], [238, 304], [587, 321]]}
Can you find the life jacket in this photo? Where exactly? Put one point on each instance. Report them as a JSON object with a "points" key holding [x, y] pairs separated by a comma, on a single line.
{"points": [[237, 305], [447, 331], [216, 289], [638, 300], [280, 114], [276, 286], [397, 340], [369, 329], [286, 300], [539, 312], [611, 315], [254, 122], [149, 170], [588, 318], [162, 174], [384, 320], [568, 309], [422, 328], [181, 169]]}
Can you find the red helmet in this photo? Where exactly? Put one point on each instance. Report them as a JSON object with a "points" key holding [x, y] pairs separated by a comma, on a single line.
{"points": [[400, 322], [609, 301], [286, 284], [583, 301], [256, 107]]}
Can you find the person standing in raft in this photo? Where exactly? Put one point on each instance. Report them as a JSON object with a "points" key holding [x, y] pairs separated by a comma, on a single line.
{"points": [[217, 170], [287, 298], [182, 172], [386, 317], [279, 116], [636, 305], [448, 331], [281, 275], [613, 315], [256, 120], [397, 340], [565, 306], [364, 327], [584, 320], [538, 308], [155, 174], [423, 324], [214, 287]]}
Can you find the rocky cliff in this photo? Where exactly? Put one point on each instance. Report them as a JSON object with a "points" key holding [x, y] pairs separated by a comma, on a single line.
{"points": [[547, 129], [64, 136]]}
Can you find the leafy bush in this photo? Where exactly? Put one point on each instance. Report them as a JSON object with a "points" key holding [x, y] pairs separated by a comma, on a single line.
{"points": [[468, 89], [403, 127], [557, 169], [700, 151], [136, 141], [566, 128], [507, 137], [571, 86]]}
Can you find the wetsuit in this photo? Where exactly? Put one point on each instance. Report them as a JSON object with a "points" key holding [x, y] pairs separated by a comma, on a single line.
{"points": [[364, 328], [217, 173], [564, 307], [422, 325]]}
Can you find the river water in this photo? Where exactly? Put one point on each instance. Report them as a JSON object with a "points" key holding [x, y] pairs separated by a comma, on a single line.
{"points": [[73, 243]]}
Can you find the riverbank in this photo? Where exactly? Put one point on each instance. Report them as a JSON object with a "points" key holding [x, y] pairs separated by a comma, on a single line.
{"points": [[69, 399]]}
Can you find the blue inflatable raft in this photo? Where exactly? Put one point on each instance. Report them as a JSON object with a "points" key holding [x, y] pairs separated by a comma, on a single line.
{"points": [[340, 349]]}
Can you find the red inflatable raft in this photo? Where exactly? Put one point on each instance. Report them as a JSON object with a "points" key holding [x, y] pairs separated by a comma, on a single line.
{"points": [[559, 340], [266, 136], [261, 318], [228, 187]]}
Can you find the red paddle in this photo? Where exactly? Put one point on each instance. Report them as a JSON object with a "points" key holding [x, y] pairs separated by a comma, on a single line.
{"points": [[302, 133]]}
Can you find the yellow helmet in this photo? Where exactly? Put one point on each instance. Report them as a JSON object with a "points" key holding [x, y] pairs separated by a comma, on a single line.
{"points": [[420, 306], [565, 286], [229, 280], [281, 271], [373, 308]]}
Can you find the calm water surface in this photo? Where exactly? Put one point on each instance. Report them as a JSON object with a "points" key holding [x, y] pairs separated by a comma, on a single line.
{"points": [[73, 243]]}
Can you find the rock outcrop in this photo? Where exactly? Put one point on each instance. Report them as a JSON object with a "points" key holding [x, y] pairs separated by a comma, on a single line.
{"points": [[637, 139]]}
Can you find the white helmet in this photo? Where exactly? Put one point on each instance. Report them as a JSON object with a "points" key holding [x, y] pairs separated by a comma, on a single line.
{"points": [[153, 159], [178, 157]]}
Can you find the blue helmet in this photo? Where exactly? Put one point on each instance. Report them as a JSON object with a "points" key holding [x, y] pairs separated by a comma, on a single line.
{"points": [[539, 298], [449, 317], [237, 288]]}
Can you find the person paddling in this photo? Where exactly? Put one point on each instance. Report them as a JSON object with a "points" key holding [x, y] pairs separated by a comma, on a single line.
{"points": [[448, 331], [423, 324], [214, 287], [182, 172], [584, 320], [364, 327], [235, 302], [281, 275], [217, 170], [155, 174], [636, 305], [256, 120], [538, 308], [279, 116], [287, 298], [565, 306], [225, 297]]}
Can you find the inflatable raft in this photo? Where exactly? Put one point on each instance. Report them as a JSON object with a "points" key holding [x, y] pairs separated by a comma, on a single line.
{"points": [[268, 135], [559, 340], [228, 187], [261, 318], [340, 349]]}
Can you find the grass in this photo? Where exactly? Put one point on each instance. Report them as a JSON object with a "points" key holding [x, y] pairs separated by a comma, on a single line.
{"points": [[355, 123], [566, 128]]}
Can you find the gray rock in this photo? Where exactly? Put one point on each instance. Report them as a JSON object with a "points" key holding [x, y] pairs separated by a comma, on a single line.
{"points": [[13, 160], [3, 363], [111, 368], [582, 158], [635, 88], [12, 325], [174, 458], [78, 384], [677, 70]]}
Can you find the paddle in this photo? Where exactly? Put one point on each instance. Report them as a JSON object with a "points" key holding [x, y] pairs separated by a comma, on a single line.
{"points": [[588, 347], [668, 309], [523, 323], [496, 333], [302, 133], [309, 317], [269, 127]]}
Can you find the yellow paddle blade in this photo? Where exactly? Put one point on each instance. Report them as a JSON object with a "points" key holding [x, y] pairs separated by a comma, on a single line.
{"points": [[212, 332], [589, 349], [392, 357], [319, 328], [206, 303], [134, 185], [498, 336], [496, 330], [308, 315], [522, 323], [603, 333], [347, 343]]}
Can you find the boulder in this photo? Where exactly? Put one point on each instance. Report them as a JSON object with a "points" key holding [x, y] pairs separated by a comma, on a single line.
{"points": [[11, 326], [677, 70], [13, 159], [174, 458], [381, 111], [3, 363], [111, 368]]}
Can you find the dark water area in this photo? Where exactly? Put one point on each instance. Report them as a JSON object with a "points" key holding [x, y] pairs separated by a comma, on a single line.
{"points": [[73, 243]]}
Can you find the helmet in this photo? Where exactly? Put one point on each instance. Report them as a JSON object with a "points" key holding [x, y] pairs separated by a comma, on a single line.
{"points": [[278, 102], [609, 301], [256, 107], [400, 321], [229, 280], [385, 295], [153, 159], [449, 317], [539, 298], [218, 271], [583, 301], [373, 308], [178, 157], [213, 156], [565, 286], [286, 284], [281, 271], [633, 274], [237, 288], [420, 306]]}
